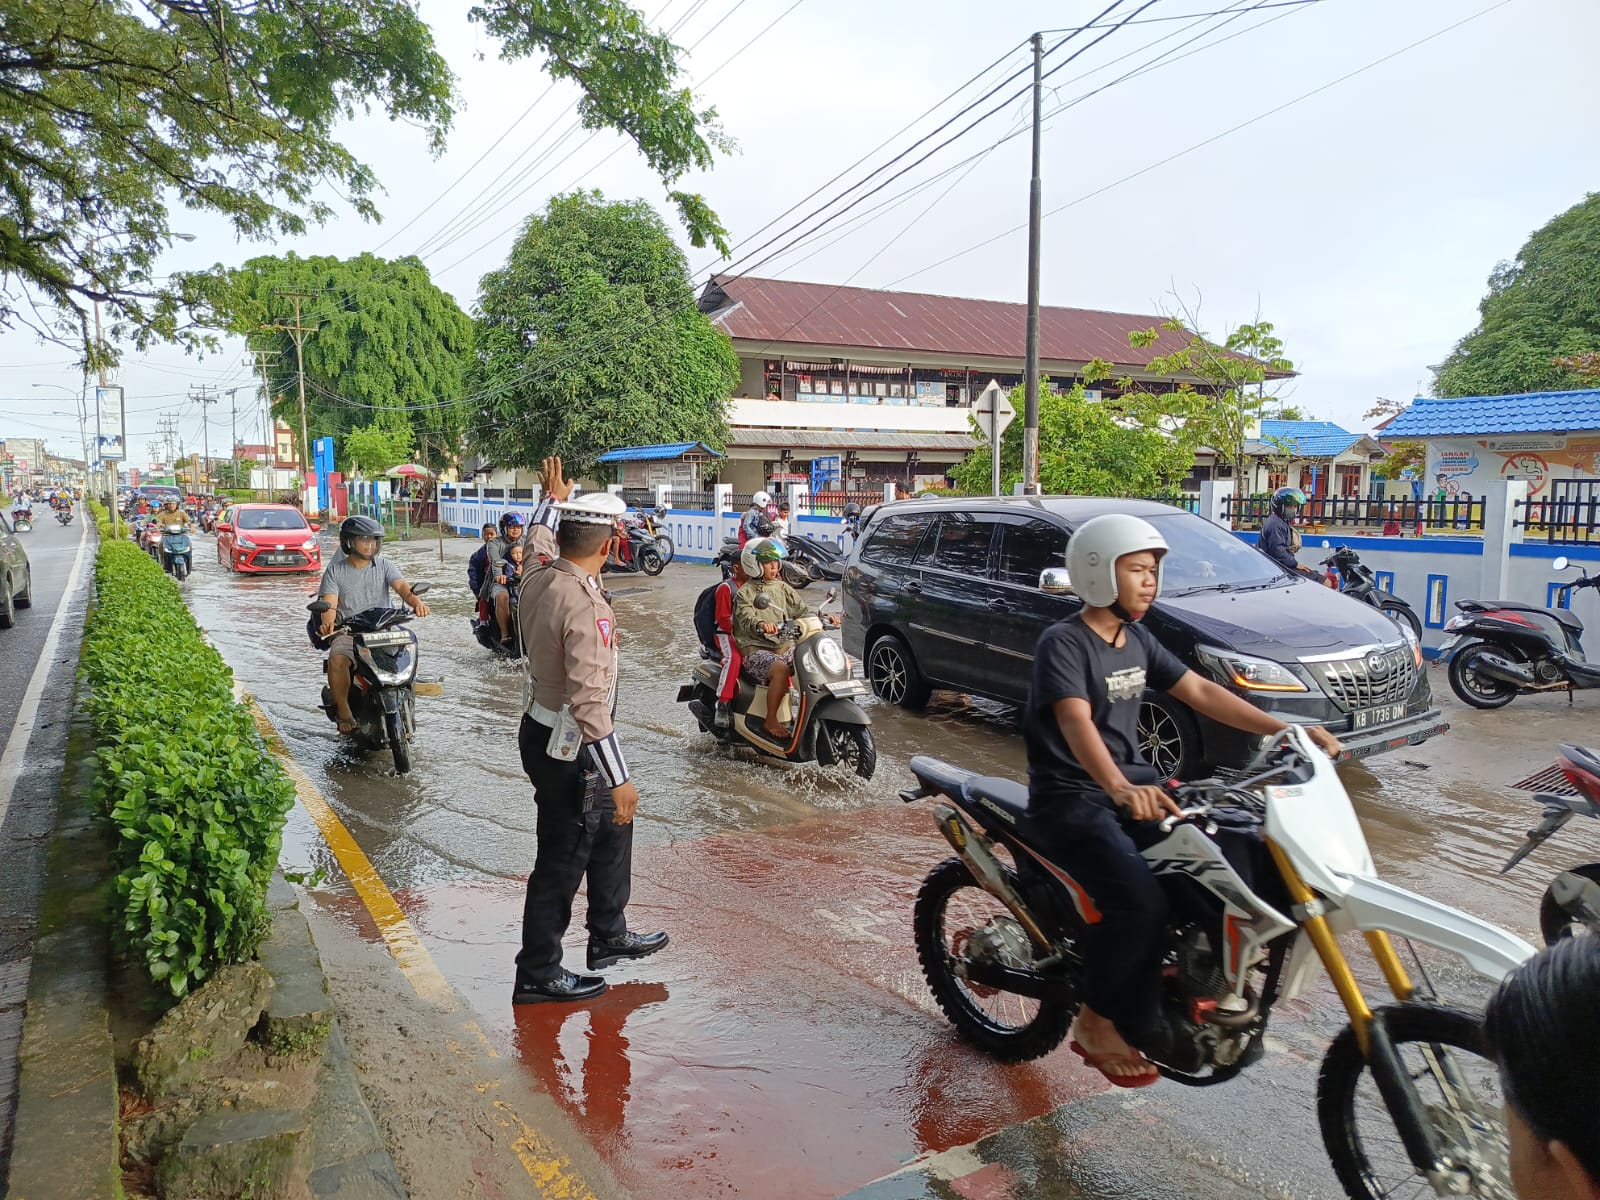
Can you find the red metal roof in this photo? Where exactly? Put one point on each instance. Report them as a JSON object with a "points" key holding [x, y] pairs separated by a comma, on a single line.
{"points": [[781, 312]]}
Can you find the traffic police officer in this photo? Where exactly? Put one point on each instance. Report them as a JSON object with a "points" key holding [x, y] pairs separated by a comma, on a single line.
{"points": [[585, 798]]}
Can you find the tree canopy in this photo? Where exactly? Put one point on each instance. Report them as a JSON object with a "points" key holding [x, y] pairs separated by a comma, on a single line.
{"points": [[1542, 307], [1084, 450], [112, 112], [390, 350], [589, 338]]}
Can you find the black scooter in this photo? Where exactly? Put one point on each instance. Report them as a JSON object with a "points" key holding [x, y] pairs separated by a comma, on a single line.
{"points": [[795, 573], [1503, 649], [1357, 580], [643, 555], [1572, 901], [818, 558], [383, 683]]}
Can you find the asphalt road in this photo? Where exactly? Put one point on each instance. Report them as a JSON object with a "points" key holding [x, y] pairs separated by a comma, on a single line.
{"points": [[785, 1045], [33, 733]]}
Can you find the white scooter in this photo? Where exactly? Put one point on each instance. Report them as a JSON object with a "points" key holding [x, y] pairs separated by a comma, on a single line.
{"points": [[1263, 875]]}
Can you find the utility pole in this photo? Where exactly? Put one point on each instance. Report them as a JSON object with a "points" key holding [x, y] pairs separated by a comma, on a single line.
{"points": [[1030, 413], [299, 332], [206, 400], [269, 425]]}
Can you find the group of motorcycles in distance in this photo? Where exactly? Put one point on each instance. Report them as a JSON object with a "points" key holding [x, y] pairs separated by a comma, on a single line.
{"points": [[167, 544], [60, 505]]}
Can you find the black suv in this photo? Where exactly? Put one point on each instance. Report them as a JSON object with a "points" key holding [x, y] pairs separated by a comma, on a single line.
{"points": [[947, 593]]}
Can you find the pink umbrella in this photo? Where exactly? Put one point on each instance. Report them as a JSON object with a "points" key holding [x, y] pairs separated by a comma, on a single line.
{"points": [[410, 471]]}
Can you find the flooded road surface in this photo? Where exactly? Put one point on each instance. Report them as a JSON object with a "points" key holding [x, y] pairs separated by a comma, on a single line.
{"points": [[785, 1045]]}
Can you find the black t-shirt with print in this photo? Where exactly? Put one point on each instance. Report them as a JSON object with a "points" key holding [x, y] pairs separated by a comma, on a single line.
{"points": [[1072, 660]]}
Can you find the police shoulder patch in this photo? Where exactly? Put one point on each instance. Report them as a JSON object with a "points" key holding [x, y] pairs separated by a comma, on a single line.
{"points": [[604, 625]]}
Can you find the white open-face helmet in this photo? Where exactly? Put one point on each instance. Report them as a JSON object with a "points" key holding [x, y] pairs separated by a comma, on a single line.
{"points": [[761, 499], [760, 550], [1094, 548]]}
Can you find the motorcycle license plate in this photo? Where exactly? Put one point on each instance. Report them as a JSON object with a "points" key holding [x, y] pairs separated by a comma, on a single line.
{"points": [[1366, 718], [852, 687]]}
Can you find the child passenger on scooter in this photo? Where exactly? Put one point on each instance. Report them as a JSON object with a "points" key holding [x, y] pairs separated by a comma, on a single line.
{"points": [[1095, 798], [768, 657]]}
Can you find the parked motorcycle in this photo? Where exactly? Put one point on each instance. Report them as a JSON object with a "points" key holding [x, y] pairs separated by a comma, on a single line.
{"points": [[1262, 874], [639, 553], [651, 521], [790, 571], [1503, 649], [176, 557], [817, 557], [831, 727], [1572, 901], [383, 683], [21, 522], [1357, 580]]}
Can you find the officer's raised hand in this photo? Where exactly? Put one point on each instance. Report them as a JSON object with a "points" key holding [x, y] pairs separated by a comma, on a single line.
{"points": [[551, 478], [626, 797]]}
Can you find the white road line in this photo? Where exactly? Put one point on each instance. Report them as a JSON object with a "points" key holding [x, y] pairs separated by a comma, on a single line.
{"points": [[22, 732]]}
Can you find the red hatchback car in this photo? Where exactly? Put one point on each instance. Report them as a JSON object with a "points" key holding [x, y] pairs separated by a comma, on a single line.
{"points": [[267, 538]]}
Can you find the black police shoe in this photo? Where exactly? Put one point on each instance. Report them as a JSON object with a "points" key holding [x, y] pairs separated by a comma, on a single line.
{"points": [[565, 986], [603, 952]]}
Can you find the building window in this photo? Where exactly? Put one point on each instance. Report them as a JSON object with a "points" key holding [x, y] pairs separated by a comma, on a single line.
{"points": [[1433, 613]]}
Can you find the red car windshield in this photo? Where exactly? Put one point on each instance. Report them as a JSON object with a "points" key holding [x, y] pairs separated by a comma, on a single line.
{"points": [[270, 518]]}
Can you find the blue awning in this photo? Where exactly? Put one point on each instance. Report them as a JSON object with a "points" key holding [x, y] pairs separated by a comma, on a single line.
{"points": [[656, 453]]}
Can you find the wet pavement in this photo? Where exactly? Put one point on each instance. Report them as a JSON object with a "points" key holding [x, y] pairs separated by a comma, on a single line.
{"points": [[785, 1045]]}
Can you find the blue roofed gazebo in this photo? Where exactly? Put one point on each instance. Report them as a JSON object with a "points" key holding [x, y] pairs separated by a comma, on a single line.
{"points": [[679, 464]]}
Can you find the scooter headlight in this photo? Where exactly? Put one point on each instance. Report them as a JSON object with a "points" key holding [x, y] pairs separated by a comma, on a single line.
{"points": [[831, 657]]}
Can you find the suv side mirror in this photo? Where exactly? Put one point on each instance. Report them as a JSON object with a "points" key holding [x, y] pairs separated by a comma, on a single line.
{"points": [[224, 527], [1055, 580]]}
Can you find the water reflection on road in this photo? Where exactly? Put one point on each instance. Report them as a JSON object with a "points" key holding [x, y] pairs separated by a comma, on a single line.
{"points": [[785, 1044]]}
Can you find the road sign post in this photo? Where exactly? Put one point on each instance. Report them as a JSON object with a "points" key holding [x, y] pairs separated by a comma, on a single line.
{"points": [[993, 408]]}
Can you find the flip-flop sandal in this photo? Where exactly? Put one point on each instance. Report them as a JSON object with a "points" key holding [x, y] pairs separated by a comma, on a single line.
{"points": [[1101, 1061]]}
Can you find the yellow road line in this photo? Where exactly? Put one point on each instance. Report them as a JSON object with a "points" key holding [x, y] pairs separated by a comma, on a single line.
{"points": [[551, 1171]]}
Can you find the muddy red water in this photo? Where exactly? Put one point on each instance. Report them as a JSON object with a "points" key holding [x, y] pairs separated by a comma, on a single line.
{"points": [[785, 1044]]}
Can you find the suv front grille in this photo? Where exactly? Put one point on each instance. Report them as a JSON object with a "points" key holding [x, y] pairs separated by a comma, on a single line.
{"points": [[1375, 678]]}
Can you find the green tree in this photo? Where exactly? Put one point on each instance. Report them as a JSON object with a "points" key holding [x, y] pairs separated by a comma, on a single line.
{"points": [[113, 111], [1402, 453], [1084, 450], [373, 449], [1221, 389], [589, 338], [390, 349], [1542, 307]]}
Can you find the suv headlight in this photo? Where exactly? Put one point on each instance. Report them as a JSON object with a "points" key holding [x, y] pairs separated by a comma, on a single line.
{"points": [[1251, 674]]}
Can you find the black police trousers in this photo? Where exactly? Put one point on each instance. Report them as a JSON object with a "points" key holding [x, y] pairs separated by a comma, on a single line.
{"points": [[1090, 839], [572, 843]]}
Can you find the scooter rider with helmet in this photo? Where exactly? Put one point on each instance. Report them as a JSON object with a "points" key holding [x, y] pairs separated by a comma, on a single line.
{"points": [[358, 580], [768, 658], [1279, 539], [1093, 795], [494, 591], [749, 524]]}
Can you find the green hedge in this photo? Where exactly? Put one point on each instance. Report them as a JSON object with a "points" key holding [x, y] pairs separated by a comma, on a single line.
{"points": [[198, 801]]}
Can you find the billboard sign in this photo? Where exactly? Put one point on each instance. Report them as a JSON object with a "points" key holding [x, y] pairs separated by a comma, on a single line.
{"points": [[108, 428]]}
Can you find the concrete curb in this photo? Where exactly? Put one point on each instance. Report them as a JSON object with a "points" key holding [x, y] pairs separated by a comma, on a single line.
{"points": [[67, 1143]]}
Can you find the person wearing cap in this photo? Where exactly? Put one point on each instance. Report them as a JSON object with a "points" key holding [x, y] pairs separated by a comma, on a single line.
{"points": [[585, 797]]}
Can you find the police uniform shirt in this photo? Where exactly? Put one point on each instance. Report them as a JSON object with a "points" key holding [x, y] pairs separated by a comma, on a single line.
{"points": [[569, 637]]}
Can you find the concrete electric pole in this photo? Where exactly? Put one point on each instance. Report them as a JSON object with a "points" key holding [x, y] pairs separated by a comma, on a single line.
{"points": [[206, 400], [1030, 412], [299, 332]]}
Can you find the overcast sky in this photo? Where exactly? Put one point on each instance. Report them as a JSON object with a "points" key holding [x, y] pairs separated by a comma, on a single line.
{"points": [[1363, 220]]}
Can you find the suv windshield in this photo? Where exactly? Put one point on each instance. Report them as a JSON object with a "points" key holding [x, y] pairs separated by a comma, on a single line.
{"points": [[270, 518], [1204, 557]]}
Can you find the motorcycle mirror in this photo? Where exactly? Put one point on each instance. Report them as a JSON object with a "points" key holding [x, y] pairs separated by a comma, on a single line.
{"points": [[1560, 564], [763, 601], [1326, 543], [832, 592], [419, 588], [318, 606]]}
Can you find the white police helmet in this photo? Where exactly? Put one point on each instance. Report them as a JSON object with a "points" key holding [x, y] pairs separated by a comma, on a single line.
{"points": [[597, 508], [1094, 548], [760, 550], [761, 499]]}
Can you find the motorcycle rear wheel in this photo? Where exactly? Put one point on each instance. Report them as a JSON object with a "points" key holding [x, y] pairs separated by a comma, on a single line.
{"points": [[1401, 614], [395, 735], [794, 574], [1556, 921], [1475, 689], [1444, 1051], [1012, 1028]]}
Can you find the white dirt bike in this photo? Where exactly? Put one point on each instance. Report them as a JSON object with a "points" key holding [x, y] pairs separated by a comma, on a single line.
{"points": [[1263, 874]]}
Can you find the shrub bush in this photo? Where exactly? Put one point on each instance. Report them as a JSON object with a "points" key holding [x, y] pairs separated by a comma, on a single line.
{"points": [[197, 800]]}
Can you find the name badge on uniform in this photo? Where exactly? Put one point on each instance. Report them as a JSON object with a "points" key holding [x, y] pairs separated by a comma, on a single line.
{"points": [[566, 736]]}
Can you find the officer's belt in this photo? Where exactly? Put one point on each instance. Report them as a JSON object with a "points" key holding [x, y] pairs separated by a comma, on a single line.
{"points": [[545, 716]]}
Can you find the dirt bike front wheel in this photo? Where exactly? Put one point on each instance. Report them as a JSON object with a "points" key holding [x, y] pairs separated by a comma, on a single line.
{"points": [[1444, 1052], [954, 919]]}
